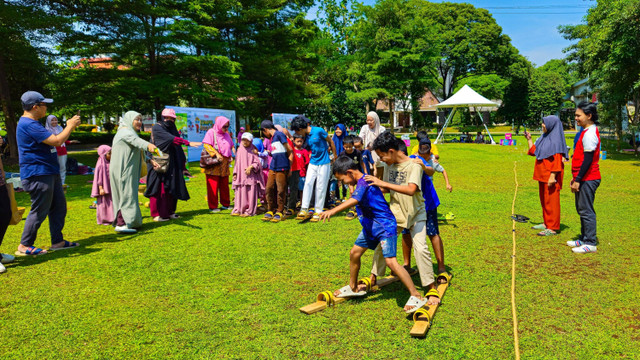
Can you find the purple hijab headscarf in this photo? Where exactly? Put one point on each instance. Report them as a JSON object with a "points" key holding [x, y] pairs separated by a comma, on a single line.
{"points": [[552, 142]]}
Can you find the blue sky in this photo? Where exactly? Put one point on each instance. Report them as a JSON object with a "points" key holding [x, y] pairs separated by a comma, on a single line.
{"points": [[532, 25]]}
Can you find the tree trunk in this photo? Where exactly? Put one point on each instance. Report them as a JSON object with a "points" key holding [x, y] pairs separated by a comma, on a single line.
{"points": [[10, 120], [392, 112]]}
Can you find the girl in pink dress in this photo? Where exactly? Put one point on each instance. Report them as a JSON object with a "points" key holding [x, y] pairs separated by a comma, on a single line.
{"points": [[101, 189], [247, 178]]}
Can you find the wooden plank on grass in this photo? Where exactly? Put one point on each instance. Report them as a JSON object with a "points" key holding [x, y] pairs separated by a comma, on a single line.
{"points": [[323, 303], [423, 317]]}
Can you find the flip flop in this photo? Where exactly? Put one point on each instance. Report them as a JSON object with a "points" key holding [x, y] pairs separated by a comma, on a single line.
{"points": [[67, 245], [31, 250], [416, 303], [347, 292], [519, 218]]}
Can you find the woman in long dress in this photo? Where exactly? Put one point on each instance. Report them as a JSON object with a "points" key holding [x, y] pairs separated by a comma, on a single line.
{"points": [[165, 189], [369, 133], [127, 160], [550, 150], [217, 142]]}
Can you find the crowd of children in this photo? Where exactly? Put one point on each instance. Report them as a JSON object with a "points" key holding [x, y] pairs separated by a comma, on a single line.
{"points": [[318, 169]]}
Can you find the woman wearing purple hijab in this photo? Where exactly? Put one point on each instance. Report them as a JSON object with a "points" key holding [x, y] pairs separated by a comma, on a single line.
{"points": [[240, 132], [550, 150]]}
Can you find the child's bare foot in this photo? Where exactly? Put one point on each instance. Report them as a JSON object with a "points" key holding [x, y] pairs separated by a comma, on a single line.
{"points": [[443, 276], [363, 287], [433, 296]]}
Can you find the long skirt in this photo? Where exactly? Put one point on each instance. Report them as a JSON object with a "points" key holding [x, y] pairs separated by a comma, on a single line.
{"points": [[104, 210], [246, 200]]}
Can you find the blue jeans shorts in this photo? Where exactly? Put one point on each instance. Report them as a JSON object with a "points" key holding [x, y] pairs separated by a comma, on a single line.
{"points": [[389, 246]]}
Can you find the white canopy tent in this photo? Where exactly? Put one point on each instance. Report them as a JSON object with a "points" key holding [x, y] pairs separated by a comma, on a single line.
{"points": [[465, 98]]}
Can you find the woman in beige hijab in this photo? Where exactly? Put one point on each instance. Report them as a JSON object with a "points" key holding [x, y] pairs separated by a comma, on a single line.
{"points": [[368, 134]]}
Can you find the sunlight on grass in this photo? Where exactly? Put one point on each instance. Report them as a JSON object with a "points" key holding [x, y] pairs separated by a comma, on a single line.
{"points": [[215, 286]]}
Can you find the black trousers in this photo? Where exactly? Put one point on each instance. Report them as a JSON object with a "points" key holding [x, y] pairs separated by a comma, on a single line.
{"points": [[5, 211]]}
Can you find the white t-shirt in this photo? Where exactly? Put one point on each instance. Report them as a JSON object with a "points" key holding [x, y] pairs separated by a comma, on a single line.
{"points": [[590, 139]]}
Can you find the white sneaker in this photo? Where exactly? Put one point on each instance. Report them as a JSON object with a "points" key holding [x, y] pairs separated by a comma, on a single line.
{"points": [[584, 249], [125, 230], [216, 210], [159, 219], [6, 258], [2, 268], [574, 243], [174, 216]]}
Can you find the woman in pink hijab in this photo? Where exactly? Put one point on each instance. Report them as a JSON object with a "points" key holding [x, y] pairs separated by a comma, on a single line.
{"points": [[218, 143], [101, 189]]}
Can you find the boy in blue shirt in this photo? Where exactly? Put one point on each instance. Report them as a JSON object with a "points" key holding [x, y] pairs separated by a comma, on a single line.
{"points": [[319, 170], [367, 158], [431, 203], [356, 156], [276, 189], [378, 229]]}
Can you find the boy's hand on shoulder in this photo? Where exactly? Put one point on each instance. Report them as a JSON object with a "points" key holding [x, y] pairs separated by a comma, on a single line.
{"points": [[372, 180], [417, 161]]}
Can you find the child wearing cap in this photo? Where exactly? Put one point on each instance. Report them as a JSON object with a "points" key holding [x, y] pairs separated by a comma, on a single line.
{"points": [[40, 173]]}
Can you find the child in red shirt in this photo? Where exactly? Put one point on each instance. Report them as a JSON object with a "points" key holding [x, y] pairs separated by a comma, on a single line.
{"points": [[298, 172]]}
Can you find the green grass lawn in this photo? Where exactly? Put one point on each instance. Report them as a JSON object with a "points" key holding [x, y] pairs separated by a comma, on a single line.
{"points": [[215, 286]]}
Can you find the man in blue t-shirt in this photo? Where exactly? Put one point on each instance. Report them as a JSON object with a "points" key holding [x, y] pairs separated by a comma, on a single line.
{"points": [[40, 174], [379, 227], [281, 156], [319, 170]]}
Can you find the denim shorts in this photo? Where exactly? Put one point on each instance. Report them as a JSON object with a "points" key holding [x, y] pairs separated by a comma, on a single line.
{"points": [[432, 222], [389, 246]]}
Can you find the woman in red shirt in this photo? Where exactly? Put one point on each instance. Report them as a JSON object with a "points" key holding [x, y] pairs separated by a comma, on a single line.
{"points": [[550, 150], [55, 129]]}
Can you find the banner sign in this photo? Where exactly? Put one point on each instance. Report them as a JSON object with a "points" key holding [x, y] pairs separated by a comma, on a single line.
{"points": [[193, 123], [283, 120]]}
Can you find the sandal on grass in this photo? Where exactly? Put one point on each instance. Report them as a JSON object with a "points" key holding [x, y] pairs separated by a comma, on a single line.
{"points": [[31, 250], [67, 245], [347, 292], [520, 218], [443, 276], [547, 232], [416, 303]]}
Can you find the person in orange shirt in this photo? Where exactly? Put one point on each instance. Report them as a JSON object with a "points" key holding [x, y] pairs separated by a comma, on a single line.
{"points": [[549, 150]]}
